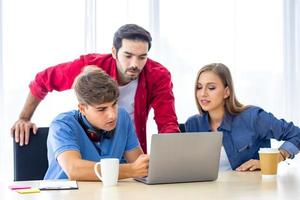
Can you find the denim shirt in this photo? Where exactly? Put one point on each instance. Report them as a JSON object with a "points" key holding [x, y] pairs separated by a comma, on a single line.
{"points": [[245, 133]]}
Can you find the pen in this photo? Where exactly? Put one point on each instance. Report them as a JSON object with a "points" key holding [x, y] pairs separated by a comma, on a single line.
{"points": [[18, 187]]}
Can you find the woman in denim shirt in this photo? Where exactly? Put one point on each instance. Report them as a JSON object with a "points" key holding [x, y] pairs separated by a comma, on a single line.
{"points": [[245, 128]]}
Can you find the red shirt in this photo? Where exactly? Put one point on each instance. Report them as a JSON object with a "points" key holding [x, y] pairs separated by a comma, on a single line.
{"points": [[154, 90]]}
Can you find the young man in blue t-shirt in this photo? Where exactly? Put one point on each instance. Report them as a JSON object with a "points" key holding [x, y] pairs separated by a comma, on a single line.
{"points": [[80, 138]]}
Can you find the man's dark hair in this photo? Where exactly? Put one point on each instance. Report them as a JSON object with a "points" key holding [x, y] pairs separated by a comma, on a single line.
{"points": [[131, 32]]}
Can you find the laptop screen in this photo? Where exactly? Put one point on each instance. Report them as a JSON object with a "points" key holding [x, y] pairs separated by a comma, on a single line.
{"points": [[184, 157]]}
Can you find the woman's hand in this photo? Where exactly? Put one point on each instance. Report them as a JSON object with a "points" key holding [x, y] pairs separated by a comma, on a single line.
{"points": [[250, 165]]}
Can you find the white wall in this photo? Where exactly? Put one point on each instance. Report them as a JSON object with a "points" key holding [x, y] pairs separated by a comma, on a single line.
{"points": [[36, 34]]}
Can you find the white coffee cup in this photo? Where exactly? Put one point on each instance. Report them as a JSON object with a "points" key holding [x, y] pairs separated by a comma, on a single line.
{"points": [[109, 171]]}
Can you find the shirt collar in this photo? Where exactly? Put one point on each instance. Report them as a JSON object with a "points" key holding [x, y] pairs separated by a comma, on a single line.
{"points": [[206, 125], [85, 121], [225, 125], [227, 122]]}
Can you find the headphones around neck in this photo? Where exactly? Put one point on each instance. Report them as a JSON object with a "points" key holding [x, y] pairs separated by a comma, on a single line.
{"points": [[95, 134]]}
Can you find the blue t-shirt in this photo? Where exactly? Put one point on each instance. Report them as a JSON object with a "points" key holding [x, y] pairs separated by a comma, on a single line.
{"points": [[245, 133], [66, 133]]}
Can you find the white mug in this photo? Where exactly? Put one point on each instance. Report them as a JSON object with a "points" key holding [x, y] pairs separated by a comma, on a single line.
{"points": [[109, 171]]}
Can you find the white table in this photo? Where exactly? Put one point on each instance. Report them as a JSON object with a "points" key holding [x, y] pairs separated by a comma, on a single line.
{"points": [[230, 185]]}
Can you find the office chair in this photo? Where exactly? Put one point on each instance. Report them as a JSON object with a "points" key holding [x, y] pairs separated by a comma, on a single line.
{"points": [[182, 128], [30, 161]]}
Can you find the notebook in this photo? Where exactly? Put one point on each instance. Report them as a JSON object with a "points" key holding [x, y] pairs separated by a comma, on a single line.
{"points": [[184, 157], [59, 184]]}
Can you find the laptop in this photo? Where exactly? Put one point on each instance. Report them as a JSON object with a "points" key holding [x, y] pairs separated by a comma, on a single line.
{"points": [[184, 157]]}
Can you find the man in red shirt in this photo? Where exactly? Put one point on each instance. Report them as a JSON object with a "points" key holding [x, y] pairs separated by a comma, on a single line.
{"points": [[143, 84]]}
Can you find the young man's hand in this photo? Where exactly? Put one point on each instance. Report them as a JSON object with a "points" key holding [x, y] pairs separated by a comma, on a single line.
{"points": [[140, 166]]}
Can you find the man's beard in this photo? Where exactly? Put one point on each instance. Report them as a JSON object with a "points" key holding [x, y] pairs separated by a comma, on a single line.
{"points": [[134, 70]]}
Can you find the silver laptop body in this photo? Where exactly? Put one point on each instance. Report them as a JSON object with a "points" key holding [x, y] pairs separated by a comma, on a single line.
{"points": [[184, 157]]}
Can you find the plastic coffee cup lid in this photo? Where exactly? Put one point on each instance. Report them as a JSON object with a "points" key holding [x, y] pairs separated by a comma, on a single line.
{"points": [[268, 150]]}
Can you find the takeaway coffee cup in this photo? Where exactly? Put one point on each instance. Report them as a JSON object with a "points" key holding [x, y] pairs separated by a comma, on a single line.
{"points": [[268, 162], [109, 171]]}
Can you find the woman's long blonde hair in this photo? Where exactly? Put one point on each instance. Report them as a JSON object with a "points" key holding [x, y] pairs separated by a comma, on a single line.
{"points": [[232, 105]]}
